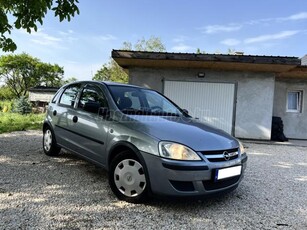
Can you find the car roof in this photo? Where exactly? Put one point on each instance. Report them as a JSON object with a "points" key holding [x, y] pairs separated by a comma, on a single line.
{"points": [[107, 83]]}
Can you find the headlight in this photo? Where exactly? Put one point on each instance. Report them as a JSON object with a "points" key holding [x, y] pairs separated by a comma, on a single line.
{"points": [[242, 150], [177, 152]]}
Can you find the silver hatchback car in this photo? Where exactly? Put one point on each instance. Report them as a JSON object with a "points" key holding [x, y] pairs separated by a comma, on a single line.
{"points": [[147, 143]]}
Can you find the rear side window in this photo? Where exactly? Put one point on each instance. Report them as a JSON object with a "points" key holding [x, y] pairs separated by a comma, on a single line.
{"points": [[70, 94]]}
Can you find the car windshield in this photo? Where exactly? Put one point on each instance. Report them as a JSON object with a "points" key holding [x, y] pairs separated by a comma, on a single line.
{"points": [[138, 101]]}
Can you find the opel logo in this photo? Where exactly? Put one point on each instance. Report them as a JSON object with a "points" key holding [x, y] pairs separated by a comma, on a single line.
{"points": [[226, 155]]}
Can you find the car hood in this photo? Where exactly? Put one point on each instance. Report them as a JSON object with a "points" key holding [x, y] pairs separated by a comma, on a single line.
{"points": [[188, 131]]}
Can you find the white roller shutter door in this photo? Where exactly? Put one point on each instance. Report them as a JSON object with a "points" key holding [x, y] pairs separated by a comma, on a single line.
{"points": [[212, 103]]}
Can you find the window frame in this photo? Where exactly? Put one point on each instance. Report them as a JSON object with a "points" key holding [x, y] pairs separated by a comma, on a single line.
{"points": [[299, 102]]}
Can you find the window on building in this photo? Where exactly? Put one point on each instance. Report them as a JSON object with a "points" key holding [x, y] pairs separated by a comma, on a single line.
{"points": [[295, 101]]}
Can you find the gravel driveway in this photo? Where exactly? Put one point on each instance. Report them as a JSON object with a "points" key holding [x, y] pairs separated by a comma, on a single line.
{"points": [[39, 192]]}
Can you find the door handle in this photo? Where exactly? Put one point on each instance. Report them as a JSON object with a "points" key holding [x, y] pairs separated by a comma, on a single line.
{"points": [[54, 112], [75, 119]]}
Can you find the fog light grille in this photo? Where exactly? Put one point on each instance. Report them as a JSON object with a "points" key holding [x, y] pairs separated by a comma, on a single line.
{"points": [[183, 186]]}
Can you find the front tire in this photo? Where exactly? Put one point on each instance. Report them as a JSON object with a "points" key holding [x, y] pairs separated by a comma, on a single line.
{"points": [[49, 143], [127, 178]]}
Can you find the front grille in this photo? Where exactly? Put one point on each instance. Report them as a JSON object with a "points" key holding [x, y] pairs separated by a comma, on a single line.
{"points": [[219, 156], [211, 185]]}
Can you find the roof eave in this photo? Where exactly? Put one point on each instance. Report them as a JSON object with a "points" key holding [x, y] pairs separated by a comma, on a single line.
{"points": [[131, 59]]}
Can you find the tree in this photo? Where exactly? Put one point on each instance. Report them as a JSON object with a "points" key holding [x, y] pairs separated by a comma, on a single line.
{"points": [[111, 71], [27, 14], [48, 75], [6, 93], [153, 44], [68, 80], [21, 72], [198, 51]]}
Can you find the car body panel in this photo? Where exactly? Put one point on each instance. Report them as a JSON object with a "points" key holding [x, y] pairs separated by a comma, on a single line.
{"points": [[94, 137], [187, 131]]}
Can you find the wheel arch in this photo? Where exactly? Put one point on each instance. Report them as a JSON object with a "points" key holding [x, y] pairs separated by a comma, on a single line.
{"points": [[124, 146], [47, 124], [121, 146]]}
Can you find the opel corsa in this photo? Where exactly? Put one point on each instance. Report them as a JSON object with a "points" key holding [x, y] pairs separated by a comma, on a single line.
{"points": [[147, 143]]}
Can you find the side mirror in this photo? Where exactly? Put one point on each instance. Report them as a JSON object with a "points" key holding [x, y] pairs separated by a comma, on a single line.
{"points": [[92, 107], [103, 111], [185, 111]]}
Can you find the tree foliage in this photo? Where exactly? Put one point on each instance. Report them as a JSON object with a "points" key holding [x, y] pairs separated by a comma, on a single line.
{"points": [[6, 93], [68, 80], [111, 71], [153, 44], [28, 14], [21, 71]]}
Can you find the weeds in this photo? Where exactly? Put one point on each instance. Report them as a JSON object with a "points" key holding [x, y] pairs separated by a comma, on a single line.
{"points": [[10, 122]]}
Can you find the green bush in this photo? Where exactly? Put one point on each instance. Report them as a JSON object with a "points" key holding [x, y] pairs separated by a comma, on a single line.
{"points": [[22, 106], [10, 122]]}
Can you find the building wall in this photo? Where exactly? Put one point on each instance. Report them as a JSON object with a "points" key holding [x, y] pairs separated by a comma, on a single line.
{"points": [[255, 94], [41, 96], [295, 124]]}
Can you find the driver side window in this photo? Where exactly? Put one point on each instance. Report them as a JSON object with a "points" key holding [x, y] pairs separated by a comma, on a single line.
{"points": [[92, 99]]}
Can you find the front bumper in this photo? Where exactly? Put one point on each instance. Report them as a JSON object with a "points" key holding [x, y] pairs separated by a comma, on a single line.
{"points": [[188, 178]]}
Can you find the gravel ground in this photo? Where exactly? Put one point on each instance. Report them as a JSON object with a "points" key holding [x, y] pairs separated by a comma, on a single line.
{"points": [[40, 192]]}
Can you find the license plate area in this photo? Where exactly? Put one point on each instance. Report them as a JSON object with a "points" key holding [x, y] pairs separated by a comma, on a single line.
{"points": [[225, 173]]}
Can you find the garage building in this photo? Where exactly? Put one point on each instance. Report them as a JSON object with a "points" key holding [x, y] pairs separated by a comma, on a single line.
{"points": [[236, 93]]}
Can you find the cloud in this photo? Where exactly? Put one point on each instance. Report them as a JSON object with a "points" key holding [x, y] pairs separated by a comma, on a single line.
{"points": [[66, 33], [182, 48], [295, 17], [211, 29], [45, 39], [269, 37], [231, 42], [107, 37]]}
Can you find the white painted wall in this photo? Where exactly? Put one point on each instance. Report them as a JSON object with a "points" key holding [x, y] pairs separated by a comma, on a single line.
{"points": [[295, 124]]}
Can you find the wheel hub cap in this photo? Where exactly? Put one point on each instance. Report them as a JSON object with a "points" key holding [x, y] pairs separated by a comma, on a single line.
{"points": [[129, 177]]}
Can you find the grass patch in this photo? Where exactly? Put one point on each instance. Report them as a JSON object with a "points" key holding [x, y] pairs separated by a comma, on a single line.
{"points": [[10, 122]]}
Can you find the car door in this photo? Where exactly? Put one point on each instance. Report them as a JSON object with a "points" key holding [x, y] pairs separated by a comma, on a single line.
{"points": [[62, 116], [90, 129]]}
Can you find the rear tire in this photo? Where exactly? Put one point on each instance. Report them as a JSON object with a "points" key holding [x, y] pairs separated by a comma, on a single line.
{"points": [[49, 143], [127, 178]]}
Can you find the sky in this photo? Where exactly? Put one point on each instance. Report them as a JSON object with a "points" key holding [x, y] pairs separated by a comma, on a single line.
{"points": [[83, 45]]}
